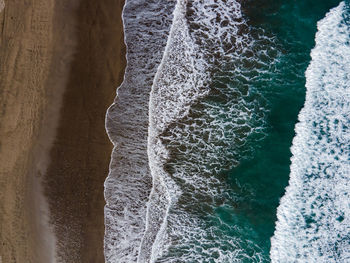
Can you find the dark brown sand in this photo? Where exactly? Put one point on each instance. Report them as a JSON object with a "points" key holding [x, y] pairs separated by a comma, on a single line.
{"points": [[60, 64], [81, 151]]}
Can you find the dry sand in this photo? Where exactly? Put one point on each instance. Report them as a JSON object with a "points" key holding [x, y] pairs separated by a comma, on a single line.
{"points": [[25, 54], [60, 63]]}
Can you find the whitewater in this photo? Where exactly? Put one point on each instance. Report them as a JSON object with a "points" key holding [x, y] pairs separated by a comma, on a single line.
{"points": [[178, 53], [129, 182], [314, 214], [195, 103], [183, 114]]}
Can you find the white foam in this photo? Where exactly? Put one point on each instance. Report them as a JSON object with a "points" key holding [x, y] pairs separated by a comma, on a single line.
{"points": [[179, 81], [314, 215], [198, 45], [204, 43], [128, 185]]}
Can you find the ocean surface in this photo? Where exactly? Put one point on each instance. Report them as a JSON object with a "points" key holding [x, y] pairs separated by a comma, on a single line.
{"points": [[231, 133]]}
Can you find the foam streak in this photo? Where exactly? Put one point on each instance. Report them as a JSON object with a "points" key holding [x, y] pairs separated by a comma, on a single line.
{"points": [[314, 216]]}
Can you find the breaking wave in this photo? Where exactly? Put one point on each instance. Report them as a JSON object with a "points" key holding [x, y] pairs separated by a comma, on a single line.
{"points": [[203, 108], [128, 185], [314, 217], [184, 113]]}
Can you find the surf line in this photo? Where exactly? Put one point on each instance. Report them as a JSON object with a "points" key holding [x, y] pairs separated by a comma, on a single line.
{"points": [[313, 219], [175, 87]]}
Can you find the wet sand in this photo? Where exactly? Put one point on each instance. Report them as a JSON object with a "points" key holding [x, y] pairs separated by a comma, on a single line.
{"points": [[81, 151], [60, 64]]}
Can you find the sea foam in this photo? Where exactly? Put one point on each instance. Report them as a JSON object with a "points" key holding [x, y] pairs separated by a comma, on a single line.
{"points": [[209, 51], [173, 140], [314, 215], [179, 81], [128, 185]]}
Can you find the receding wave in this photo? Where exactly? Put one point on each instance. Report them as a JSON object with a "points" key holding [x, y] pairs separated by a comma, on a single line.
{"points": [[203, 108], [314, 217], [187, 107], [127, 188], [180, 79]]}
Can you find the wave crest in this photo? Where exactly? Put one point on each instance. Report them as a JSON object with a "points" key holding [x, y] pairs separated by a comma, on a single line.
{"points": [[314, 216]]}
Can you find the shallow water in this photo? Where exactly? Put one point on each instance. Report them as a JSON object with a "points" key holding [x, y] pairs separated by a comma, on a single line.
{"points": [[220, 98]]}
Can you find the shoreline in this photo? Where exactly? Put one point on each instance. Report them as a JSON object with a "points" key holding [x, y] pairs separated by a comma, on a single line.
{"points": [[81, 151], [62, 62]]}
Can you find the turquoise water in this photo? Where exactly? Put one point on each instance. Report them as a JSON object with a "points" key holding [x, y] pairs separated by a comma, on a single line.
{"points": [[241, 214], [203, 127], [267, 173], [313, 215]]}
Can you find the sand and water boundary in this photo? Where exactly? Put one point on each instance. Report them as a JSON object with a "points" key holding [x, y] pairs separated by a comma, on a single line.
{"points": [[61, 62]]}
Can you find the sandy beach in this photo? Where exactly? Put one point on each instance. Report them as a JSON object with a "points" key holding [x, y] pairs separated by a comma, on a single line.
{"points": [[61, 62], [26, 49]]}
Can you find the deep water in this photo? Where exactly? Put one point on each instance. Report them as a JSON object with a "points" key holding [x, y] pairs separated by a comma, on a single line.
{"points": [[203, 127], [245, 209], [260, 178]]}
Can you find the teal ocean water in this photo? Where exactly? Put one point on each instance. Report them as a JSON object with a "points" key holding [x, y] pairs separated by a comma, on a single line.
{"points": [[265, 174], [203, 127]]}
